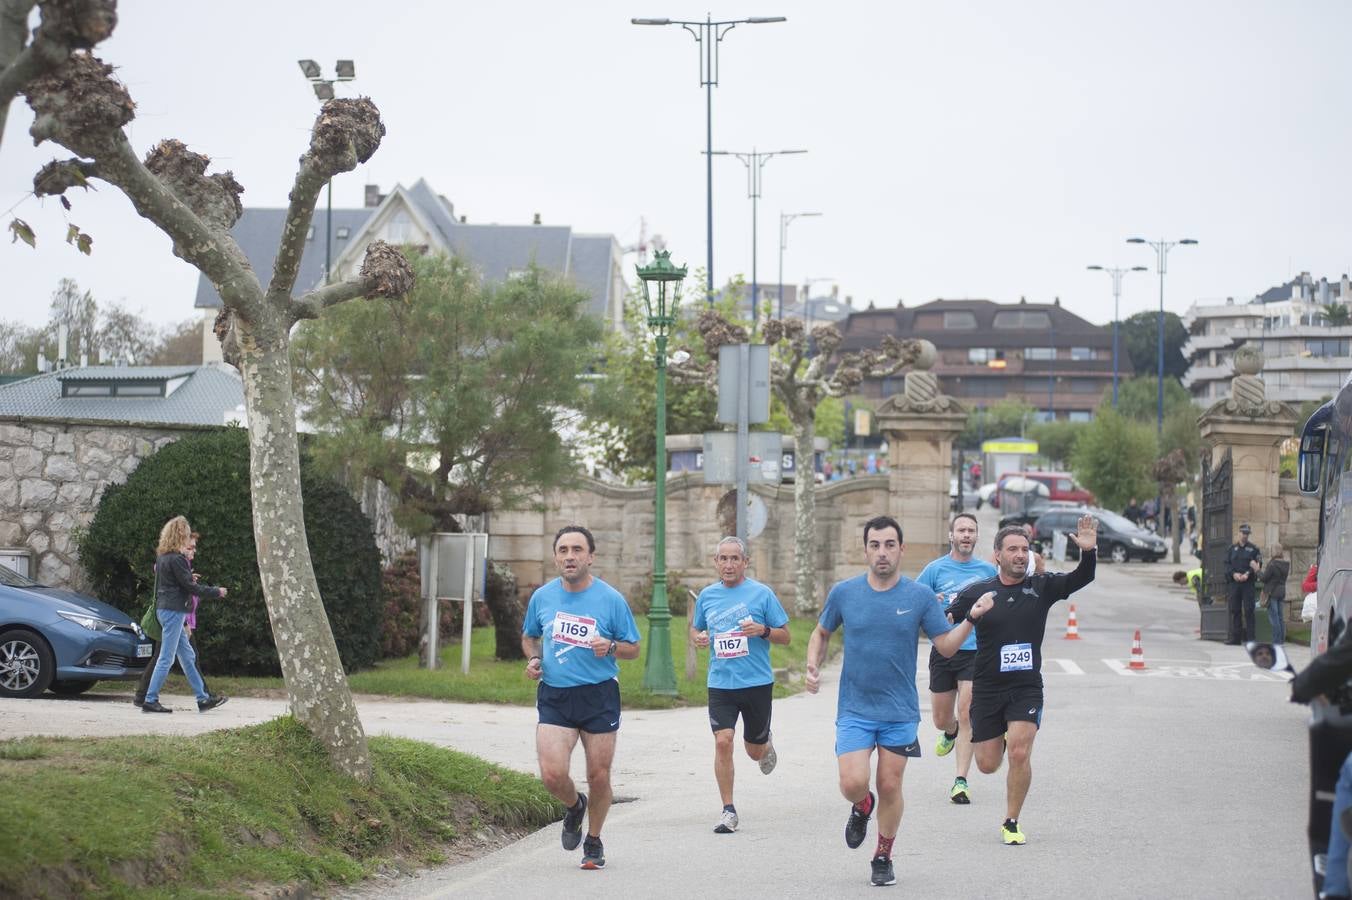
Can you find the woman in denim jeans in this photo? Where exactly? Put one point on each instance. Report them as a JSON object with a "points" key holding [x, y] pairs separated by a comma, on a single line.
{"points": [[1273, 578], [172, 601]]}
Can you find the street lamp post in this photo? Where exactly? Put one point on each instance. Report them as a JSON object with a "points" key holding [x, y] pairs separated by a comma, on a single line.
{"points": [[709, 34], [1117, 294], [663, 279], [344, 70], [785, 219], [1162, 249], [755, 164]]}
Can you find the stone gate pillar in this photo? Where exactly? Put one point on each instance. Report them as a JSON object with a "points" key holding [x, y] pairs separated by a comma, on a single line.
{"points": [[919, 425], [1252, 428]]}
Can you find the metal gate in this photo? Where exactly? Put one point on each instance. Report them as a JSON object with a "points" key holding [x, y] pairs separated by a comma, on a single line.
{"points": [[1217, 529]]}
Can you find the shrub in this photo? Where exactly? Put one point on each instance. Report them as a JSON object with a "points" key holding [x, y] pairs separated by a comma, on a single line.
{"points": [[640, 596], [401, 599], [206, 478]]}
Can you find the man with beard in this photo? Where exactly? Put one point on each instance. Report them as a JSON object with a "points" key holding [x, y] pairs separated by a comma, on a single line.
{"points": [[951, 677], [575, 629], [1007, 697], [878, 708]]}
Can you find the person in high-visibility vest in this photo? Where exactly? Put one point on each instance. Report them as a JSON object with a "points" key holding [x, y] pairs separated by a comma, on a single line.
{"points": [[1192, 578]]}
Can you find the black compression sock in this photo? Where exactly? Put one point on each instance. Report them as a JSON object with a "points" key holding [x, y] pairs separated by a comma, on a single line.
{"points": [[581, 798], [951, 737], [728, 807]]}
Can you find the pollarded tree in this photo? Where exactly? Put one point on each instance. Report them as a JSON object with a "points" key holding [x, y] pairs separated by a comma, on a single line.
{"points": [[458, 400], [802, 374], [80, 106]]}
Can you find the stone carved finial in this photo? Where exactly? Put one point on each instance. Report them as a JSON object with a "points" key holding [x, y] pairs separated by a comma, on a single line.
{"points": [[1248, 396], [1248, 360], [921, 393]]}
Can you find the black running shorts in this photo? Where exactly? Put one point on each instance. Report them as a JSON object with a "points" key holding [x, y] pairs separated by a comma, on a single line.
{"points": [[992, 711], [752, 703], [946, 672], [593, 708]]}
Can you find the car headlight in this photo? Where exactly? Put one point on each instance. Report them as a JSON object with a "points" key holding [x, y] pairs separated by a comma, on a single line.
{"points": [[1137, 542], [85, 620]]}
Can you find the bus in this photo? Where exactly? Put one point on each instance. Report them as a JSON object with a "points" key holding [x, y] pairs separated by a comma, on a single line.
{"points": [[1322, 470]]}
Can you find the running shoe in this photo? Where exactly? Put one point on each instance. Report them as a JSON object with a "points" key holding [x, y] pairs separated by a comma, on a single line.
{"points": [[572, 823], [593, 854], [770, 759], [727, 822], [882, 872], [945, 744], [959, 793], [1011, 834], [857, 826]]}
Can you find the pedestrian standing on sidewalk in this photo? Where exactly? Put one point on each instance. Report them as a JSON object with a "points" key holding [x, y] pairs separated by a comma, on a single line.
{"points": [[1007, 698], [1273, 578], [1243, 562], [575, 629], [174, 586], [950, 681], [878, 708], [738, 618]]}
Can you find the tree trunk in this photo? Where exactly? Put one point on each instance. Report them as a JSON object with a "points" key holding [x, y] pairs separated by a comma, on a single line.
{"points": [[504, 605], [804, 518], [311, 668], [1169, 500]]}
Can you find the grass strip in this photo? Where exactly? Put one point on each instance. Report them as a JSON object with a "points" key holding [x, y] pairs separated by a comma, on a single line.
{"points": [[223, 813]]}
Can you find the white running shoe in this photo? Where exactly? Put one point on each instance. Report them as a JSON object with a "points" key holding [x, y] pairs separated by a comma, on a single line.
{"points": [[770, 759], [727, 822]]}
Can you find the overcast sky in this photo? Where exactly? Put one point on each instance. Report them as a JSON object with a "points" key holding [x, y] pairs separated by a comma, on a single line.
{"points": [[957, 149]]}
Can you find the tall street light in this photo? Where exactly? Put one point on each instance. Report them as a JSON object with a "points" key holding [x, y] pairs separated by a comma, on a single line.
{"points": [[343, 70], [709, 34], [1117, 294], [755, 164], [786, 219], [1162, 249], [663, 280]]}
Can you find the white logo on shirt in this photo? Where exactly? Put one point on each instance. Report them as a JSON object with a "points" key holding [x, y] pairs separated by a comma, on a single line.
{"points": [[902, 612]]}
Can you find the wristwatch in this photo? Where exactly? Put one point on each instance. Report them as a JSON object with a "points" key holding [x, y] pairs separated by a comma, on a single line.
{"points": [[970, 620], [611, 651], [766, 633]]}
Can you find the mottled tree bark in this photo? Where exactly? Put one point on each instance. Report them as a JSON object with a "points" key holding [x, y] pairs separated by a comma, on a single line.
{"points": [[79, 105], [804, 517]]}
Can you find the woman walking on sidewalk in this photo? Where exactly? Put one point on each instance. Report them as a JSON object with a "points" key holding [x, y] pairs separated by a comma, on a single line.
{"points": [[1273, 578], [173, 592]]}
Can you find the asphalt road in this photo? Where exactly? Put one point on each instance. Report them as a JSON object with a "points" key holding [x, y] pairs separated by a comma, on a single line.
{"points": [[1187, 779]]}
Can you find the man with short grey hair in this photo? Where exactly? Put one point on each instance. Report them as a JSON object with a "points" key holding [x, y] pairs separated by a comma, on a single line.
{"points": [[738, 618]]}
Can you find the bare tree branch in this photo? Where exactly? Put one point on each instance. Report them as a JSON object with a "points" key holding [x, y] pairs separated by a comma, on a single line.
{"points": [[315, 302], [345, 134], [385, 272]]}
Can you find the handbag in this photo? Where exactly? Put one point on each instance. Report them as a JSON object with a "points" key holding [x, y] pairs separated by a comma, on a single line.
{"points": [[150, 623], [1310, 608]]}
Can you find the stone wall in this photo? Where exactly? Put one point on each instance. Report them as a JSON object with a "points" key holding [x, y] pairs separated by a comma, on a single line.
{"points": [[51, 478], [1298, 533], [621, 518]]}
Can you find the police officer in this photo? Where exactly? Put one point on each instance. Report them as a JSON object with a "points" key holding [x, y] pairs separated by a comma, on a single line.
{"points": [[1242, 562]]}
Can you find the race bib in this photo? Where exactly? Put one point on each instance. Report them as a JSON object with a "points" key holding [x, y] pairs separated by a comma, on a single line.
{"points": [[1016, 658], [730, 645], [575, 630]]}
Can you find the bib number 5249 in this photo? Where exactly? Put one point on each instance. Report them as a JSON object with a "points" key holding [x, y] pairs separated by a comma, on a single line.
{"points": [[1016, 657]]}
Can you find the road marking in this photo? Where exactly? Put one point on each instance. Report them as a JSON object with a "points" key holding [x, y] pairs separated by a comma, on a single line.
{"points": [[1068, 667], [1244, 671]]}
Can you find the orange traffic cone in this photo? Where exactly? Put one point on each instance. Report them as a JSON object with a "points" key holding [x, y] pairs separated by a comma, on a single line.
{"points": [[1137, 655], [1072, 627]]}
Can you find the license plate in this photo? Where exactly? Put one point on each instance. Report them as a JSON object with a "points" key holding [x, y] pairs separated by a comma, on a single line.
{"points": [[143, 650]]}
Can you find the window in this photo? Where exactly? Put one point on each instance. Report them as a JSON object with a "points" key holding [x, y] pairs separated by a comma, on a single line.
{"points": [[1085, 386], [1044, 415], [928, 321], [1081, 352], [959, 319], [1328, 347], [86, 389], [1039, 353], [1026, 319], [140, 389], [1080, 415], [985, 387], [1065, 484], [982, 355]]}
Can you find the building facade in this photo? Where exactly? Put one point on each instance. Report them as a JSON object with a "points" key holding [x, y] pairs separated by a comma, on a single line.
{"points": [[1306, 357], [1034, 353]]}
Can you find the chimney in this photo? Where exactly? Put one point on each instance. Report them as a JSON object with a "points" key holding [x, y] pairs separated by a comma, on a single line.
{"points": [[84, 360], [849, 301], [536, 220], [462, 220], [373, 196], [1323, 291], [835, 291], [42, 361], [1056, 301], [62, 338], [1343, 288]]}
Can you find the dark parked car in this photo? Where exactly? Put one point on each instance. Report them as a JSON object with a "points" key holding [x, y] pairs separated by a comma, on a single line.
{"points": [[1118, 539], [58, 639]]}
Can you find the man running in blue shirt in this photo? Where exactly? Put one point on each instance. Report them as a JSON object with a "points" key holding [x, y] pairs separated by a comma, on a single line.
{"points": [[883, 614], [575, 629], [738, 618], [951, 677]]}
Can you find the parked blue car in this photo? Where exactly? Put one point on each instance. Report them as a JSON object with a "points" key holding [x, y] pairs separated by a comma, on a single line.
{"points": [[60, 640]]}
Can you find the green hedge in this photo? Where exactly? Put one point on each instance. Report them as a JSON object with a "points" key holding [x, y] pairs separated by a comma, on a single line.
{"points": [[206, 478]]}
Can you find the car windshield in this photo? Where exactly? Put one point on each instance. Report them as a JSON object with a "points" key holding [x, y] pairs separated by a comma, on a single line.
{"points": [[1114, 521], [11, 578]]}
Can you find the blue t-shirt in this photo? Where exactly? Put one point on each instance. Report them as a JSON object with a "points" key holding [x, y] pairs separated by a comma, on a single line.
{"points": [[947, 576], [567, 620], [882, 631], [736, 663]]}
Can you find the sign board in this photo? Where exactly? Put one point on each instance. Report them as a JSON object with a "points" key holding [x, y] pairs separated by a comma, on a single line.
{"points": [[731, 378], [764, 457], [453, 552], [1009, 445]]}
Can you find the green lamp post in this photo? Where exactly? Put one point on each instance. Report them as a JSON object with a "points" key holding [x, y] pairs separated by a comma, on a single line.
{"points": [[661, 295]]}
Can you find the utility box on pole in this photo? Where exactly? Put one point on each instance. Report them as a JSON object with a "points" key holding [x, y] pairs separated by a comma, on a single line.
{"points": [[453, 567]]}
